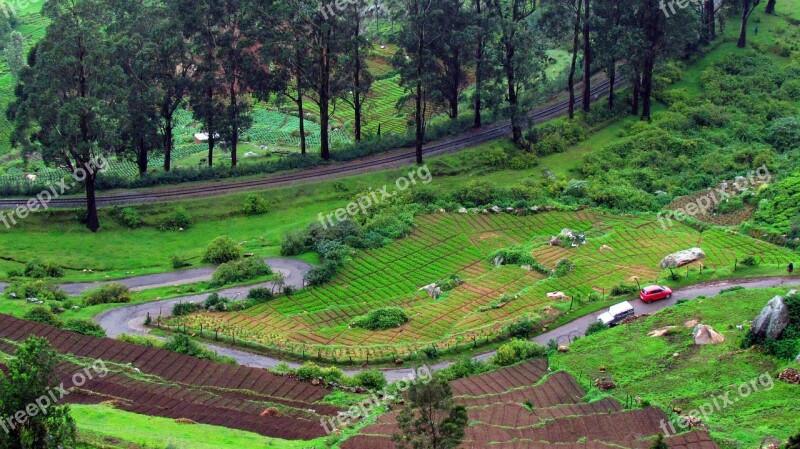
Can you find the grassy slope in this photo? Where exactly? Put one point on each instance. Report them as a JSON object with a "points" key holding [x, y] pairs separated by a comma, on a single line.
{"points": [[644, 367]]}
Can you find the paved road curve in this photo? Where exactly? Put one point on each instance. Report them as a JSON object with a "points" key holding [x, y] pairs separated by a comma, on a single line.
{"points": [[130, 319]]}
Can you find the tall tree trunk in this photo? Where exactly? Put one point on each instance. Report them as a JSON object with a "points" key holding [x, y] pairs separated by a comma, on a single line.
{"points": [[771, 7], [92, 220], [636, 84], [587, 59], [211, 130], [324, 99], [712, 20], [302, 123], [141, 157], [234, 124], [419, 115], [571, 79], [357, 80], [168, 142], [647, 86], [480, 50], [513, 100], [743, 29], [612, 79]]}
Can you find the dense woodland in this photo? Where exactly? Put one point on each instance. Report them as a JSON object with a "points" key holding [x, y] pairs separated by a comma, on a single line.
{"points": [[109, 75]]}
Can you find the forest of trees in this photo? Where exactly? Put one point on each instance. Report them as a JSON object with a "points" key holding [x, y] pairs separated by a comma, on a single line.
{"points": [[109, 75]]}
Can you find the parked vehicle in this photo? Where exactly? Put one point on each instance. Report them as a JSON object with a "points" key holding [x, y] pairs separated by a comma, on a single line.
{"points": [[616, 314], [655, 293]]}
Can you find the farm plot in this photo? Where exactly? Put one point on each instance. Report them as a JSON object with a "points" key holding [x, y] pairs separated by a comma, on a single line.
{"points": [[526, 411], [316, 321], [165, 384]]}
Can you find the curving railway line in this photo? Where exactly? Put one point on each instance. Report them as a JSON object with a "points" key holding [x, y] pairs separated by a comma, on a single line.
{"points": [[389, 160]]}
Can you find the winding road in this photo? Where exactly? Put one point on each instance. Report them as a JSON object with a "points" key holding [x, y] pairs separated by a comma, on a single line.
{"points": [[383, 161], [130, 319]]}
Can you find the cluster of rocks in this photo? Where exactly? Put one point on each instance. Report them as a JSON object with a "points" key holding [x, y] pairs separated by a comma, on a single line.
{"points": [[682, 258], [790, 375], [509, 210], [568, 236], [706, 335], [605, 384]]}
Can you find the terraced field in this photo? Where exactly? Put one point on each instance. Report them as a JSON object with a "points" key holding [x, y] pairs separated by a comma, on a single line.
{"points": [[556, 416], [159, 383], [316, 321]]}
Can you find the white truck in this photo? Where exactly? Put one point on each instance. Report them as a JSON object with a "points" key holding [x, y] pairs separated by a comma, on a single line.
{"points": [[616, 314]]}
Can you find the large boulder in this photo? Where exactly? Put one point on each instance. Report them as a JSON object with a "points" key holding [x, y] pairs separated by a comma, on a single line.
{"points": [[682, 258], [706, 335], [772, 320]]}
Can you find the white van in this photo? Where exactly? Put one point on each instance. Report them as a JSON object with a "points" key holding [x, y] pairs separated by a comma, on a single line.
{"points": [[616, 314]]}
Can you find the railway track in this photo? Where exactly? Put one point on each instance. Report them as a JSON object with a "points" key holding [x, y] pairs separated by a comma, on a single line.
{"points": [[466, 140]]}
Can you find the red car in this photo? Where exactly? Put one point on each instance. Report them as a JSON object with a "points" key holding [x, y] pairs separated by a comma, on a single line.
{"points": [[655, 293]]}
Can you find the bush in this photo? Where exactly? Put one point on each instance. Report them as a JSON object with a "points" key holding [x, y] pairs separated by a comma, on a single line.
{"points": [[382, 319], [37, 270], [294, 243], [85, 327], [128, 216], [260, 294], [623, 289], [462, 368], [41, 290], [179, 262], [184, 345], [44, 315], [141, 340], [474, 194], [516, 351], [521, 329], [222, 250], [177, 220], [111, 293], [595, 328], [322, 274], [730, 205], [255, 205], [310, 371], [185, 308], [563, 268], [370, 379], [239, 271], [784, 134]]}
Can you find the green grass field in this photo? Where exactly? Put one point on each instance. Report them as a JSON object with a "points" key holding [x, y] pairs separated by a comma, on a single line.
{"points": [[645, 367], [618, 247]]}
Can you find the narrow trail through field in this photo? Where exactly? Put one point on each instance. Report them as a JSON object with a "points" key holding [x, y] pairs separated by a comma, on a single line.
{"points": [[130, 319]]}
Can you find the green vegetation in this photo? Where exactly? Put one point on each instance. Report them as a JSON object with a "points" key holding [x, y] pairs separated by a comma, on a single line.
{"points": [[239, 271], [649, 368], [111, 293], [382, 319]]}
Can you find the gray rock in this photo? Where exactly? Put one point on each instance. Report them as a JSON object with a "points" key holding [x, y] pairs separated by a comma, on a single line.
{"points": [[706, 335], [772, 320], [496, 209], [682, 258]]}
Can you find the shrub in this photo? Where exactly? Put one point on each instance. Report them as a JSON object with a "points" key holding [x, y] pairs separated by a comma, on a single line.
{"points": [[260, 294], [128, 216], [184, 345], [595, 328], [38, 270], [731, 205], [111, 293], [41, 290], [382, 319], [85, 327], [731, 289], [474, 193], [255, 205], [784, 134], [185, 308], [516, 351], [521, 329], [322, 274], [179, 262], [294, 243], [222, 250], [238, 271], [750, 261], [142, 340], [177, 220], [310, 371], [623, 289], [464, 367], [370, 379], [564, 267], [44, 315]]}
